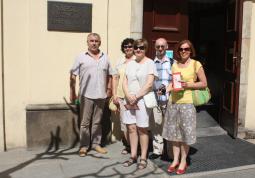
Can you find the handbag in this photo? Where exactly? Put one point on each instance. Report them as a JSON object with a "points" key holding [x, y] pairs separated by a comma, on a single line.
{"points": [[150, 100], [200, 96]]}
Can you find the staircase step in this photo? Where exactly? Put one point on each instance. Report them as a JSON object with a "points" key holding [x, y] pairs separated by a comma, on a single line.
{"points": [[210, 131]]}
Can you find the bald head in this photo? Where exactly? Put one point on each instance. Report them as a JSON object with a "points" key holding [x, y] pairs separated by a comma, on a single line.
{"points": [[161, 41], [161, 47]]}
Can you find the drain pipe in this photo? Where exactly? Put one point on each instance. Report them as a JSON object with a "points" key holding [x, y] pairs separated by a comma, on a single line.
{"points": [[2, 49]]}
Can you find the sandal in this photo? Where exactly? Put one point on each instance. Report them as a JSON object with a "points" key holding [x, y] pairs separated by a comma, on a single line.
{"points": [[143, 164], [83, 152], [125, 151], [130, 162]]}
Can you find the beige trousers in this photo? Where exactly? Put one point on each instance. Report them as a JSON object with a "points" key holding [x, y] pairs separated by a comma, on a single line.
{"points": [[91, 111], [156, 127]]}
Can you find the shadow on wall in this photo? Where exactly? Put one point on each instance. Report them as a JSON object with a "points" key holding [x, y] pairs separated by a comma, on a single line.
{"points": [[106, 123], [58, 125]]}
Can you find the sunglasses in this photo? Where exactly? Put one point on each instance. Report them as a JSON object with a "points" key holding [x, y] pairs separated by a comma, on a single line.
{"points": [[139, 47], [127, 46], [160, 46], [183, 49]]}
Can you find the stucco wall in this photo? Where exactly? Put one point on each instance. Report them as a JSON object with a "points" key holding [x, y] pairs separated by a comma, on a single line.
{"points": [[246, 40], [119, 26], [16, 55], [250, 114], [37, 61], [1, 84]]}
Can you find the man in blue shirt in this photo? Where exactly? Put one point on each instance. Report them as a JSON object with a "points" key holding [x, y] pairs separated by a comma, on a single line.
{"points": [[163, 66]]}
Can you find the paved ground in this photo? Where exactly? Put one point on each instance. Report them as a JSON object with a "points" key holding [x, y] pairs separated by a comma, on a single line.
{"points": [[65, 163], [20, 163]]}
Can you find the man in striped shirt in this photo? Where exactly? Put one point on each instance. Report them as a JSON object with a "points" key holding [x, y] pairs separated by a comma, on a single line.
{"points": [[163, 65]]}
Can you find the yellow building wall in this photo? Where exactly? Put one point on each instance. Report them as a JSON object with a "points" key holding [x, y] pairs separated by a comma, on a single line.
{"points": [[52, 52], [119, 26], [250, 114], [37, 61], [1, 85], [16, 73]]}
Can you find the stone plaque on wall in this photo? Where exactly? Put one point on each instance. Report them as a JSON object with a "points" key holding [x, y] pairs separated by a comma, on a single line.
{"points": [[66, 16]]}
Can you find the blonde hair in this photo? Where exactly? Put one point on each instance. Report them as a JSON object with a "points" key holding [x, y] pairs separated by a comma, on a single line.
{"points": [[143, 42]]}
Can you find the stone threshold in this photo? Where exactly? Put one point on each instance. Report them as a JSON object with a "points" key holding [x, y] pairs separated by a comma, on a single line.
{"points": [[210, 131]]}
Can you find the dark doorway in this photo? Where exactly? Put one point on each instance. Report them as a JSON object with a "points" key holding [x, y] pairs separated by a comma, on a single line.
{"points": [[207, 32], [214, 27]]}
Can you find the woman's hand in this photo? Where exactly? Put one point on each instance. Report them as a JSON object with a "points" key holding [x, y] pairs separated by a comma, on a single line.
{"points": [[169, 88], [115, 99], [132, 99], [184, 84]]}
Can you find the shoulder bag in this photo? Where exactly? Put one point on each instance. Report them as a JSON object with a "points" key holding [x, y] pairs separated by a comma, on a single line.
{"points": [[200, 96], [150, 100]]}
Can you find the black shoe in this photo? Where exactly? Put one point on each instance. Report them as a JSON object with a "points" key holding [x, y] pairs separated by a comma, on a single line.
{"points": [[154, 156]]}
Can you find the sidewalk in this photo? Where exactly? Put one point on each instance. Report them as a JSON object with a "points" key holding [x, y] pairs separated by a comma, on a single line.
{"points": [[65, 163]]}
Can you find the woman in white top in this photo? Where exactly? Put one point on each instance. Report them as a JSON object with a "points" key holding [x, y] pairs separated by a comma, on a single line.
{"points": [[138, 81]]}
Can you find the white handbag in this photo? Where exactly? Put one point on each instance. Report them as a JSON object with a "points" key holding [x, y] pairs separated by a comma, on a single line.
{"points": [[150, 100]]}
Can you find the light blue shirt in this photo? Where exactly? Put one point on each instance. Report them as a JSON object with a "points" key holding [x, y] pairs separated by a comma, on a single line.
{"points": [[164, 76]]}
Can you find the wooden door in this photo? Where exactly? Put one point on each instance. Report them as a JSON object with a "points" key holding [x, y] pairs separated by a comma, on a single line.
{"points": [[167, 19], [230, 98]]}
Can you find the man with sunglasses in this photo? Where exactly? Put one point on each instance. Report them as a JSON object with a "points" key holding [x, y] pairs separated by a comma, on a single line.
{"points": [[163, 66], [94, 71]]}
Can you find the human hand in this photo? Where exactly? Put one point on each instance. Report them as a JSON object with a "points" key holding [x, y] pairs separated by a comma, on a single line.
{"points": [[115, 99], [184, 84], [132, 99], [73, 97]]}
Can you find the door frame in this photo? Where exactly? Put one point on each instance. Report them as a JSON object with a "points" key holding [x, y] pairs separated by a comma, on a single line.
{"points": [[229, 117], [239, 47]]}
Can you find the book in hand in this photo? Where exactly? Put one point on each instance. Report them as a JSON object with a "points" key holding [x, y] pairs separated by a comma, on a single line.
{"points": [[177, 82], [131, 106]]}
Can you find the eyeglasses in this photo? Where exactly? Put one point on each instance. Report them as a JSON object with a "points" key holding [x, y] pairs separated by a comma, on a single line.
{"points": [[183, 49], [127, 46], [139, 47], [160, 46]]}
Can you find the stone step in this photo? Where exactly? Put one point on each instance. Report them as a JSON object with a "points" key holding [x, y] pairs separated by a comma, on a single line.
{"points": [[210, 131]]}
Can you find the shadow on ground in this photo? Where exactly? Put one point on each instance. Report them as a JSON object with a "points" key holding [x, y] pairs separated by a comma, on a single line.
{"points": [[111, 169], [215, 153]]}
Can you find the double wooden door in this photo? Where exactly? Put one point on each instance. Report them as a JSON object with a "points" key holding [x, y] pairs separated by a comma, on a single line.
{"points": [[167, 19]]}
